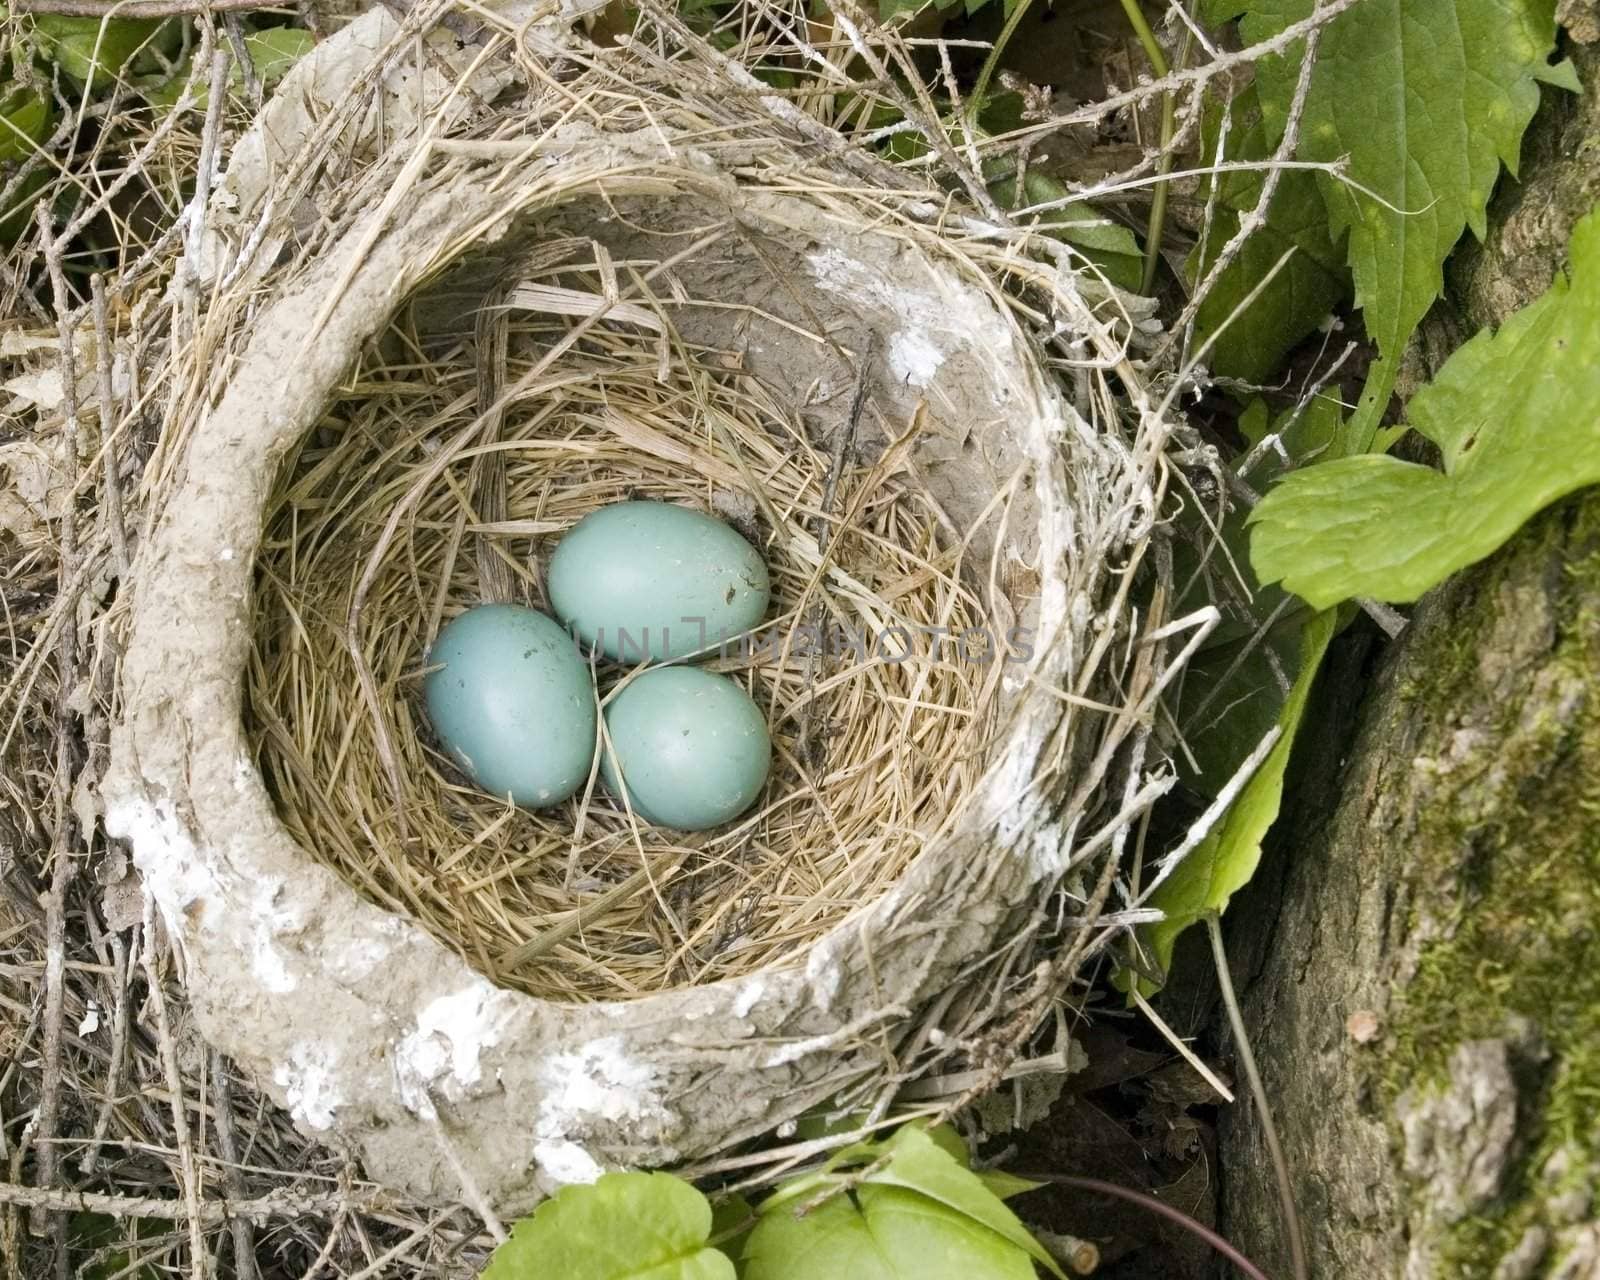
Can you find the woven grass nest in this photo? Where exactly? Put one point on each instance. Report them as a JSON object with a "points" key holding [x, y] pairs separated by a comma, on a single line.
{"points": [[499, 321], [879, 668]]}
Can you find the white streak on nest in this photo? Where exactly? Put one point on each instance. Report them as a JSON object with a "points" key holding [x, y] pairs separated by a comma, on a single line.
{"points": [[936, 322], [598, 1081], [563, 1162], [749, 996], [177, 874], [797, 1049], [307, 1082], [446, 1047], [823, 970], [174, 873]]}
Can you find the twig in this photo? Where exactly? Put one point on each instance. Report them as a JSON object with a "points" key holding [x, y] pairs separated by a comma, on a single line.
{"points": [[335, 1228], [63, 867], [111, 478], [119, 1051], [234, 26], [277, 1204], [243, 1234], [1257, 217], [180, 1116], [139, 8]]}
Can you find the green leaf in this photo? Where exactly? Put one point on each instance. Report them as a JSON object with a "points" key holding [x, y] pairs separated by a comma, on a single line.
{"points": [[25, 118], [1310, 285], [880, 1233], [1005, 1185], [627, 1226], [272, 52], [920, 1164], [1109, 245], [732, 1218], [1226, 859], [945, 1137], [1427, 98], [90, 50], [89, 1233], [1516, 416]]}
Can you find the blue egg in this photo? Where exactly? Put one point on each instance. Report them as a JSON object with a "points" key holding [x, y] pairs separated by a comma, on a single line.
{"points": [[513, 703], [649, 580], [693, 748]]}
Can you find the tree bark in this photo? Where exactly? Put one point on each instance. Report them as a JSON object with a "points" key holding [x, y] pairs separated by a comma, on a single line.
{"points": [[1425, 993]]}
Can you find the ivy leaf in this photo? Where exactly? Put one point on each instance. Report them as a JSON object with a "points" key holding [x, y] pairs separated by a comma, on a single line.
{"points": [[1227, 858], [1516, 416], [880, 1233], [1305, 289], [626, 1226], [1427, 98]]}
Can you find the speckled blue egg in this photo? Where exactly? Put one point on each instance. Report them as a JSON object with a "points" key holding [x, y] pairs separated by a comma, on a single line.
{"points": [[649, 580], [513, 703], [693, 748]]}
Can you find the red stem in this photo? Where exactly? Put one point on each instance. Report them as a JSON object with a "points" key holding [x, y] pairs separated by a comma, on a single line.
{"points": [[1154, 1206]]}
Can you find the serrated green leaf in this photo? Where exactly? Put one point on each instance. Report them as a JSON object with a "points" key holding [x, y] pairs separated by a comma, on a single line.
{"points": [[918, 1163], [880, 1233], [1427, 98], [1516, 416], [1224, 862], [1563, 75], [1300, 296], [627, 1226]]}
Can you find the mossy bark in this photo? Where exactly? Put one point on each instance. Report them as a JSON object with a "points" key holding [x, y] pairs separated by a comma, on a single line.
{"points": [[1425, 999]]}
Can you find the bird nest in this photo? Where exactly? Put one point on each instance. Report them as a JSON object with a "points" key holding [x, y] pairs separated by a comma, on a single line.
{"points": [[879, 667], [452, 295]]}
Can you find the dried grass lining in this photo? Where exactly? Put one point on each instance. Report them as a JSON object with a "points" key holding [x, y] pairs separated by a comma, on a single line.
{"points": [[871, 757]]}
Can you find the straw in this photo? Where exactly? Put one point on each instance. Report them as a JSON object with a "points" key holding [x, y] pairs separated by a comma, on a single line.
{"points": [[580, 902]]}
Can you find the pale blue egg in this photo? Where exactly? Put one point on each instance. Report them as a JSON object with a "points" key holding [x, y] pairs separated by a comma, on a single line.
{"points": [[693, 748], [641, 580], [513, 703]]}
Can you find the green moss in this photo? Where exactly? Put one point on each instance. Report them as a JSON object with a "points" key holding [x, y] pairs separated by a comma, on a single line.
{"points": [[1515, 823]]}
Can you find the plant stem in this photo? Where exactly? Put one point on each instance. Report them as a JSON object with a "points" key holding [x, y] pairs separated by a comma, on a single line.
{"points": [[991, 63], [1375, 393], [1158, 203], [1247, 1060]]}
